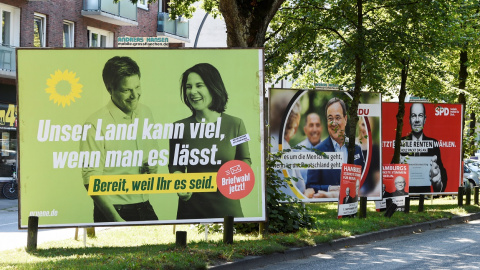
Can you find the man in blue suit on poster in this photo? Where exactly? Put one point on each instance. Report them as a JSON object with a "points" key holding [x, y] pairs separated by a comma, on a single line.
{"points": [[325, 183]]}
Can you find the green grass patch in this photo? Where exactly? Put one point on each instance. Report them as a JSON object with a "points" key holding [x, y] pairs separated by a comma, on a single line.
{"points": [[153, 247]]}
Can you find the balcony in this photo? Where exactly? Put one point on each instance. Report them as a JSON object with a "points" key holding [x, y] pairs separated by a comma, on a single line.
{"points": [[122, 13], [176, 30], [8, 65]]}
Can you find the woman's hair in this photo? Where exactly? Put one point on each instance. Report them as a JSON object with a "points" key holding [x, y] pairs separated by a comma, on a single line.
{"points": [[214, 83]]}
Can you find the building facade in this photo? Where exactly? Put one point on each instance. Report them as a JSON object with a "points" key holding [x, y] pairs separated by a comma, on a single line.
{"points": [[69, 24]]}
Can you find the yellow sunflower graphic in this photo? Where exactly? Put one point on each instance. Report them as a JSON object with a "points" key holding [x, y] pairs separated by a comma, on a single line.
{"points": [[63, 87]]}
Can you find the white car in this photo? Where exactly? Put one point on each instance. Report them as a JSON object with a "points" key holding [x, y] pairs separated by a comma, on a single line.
{"points": [[470, 177]]}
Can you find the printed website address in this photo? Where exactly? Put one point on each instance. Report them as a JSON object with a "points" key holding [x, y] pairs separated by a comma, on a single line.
{"points": [[52, 213]]}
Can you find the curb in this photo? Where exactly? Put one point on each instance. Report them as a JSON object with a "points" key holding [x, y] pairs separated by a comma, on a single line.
{"points": [[303, 252]]}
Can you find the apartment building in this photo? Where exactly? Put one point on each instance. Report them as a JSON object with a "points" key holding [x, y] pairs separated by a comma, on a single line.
{"points": [[70, 24]]}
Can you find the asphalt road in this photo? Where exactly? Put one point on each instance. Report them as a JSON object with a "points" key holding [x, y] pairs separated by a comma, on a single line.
{"points": [[452, 247]]}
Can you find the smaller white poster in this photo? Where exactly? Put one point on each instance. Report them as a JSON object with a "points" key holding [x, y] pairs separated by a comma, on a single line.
{"points": [[419, 169]]}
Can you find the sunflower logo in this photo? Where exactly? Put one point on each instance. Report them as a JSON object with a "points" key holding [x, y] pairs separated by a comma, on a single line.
{"points": [[63, 87]]}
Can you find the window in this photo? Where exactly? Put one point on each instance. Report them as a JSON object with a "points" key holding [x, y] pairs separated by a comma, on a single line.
{"points": [[68, 32], [142, 4], [163, 5], [99, 38], [6, 26], [39, 30], [10, 31]]}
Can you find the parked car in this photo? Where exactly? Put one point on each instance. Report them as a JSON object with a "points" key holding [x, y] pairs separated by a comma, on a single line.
{"points": [[470, 177], [472, 164]]}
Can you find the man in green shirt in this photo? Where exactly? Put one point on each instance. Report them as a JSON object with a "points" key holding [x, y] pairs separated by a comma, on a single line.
{"points": [[121, 76]]}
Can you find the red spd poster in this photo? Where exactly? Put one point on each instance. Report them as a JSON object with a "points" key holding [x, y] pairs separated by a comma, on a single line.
{"points": [[431, 144], [349, 190], [395, 186]]}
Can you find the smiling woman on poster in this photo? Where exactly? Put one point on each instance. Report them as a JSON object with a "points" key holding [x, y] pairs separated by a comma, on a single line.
{"points": [[203, 91]]}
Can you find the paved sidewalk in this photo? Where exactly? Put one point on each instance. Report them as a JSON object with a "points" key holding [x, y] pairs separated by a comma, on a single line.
{"points": [[18, 238], [6, 204]]}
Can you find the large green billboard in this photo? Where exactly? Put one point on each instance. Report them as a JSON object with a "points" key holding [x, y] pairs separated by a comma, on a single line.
{"points": [[140, 136]]}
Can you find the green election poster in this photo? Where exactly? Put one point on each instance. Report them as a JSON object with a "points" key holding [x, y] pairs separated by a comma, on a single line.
{"points": [[140, 136]]}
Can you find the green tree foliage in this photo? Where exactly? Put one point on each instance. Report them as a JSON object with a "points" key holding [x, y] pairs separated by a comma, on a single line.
{"points": [[390, 46], [461, 61], [285, 214], [331, 39]]}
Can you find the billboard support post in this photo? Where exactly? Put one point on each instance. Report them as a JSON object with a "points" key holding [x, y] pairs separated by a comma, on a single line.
{"points": [[363, 207], [475, 195], [228, 230], [421, 201], [388, 202], [181, 239], [468, 197], [460, 196], [391, 208], [32, 233], [407, 205], [262, 226]]}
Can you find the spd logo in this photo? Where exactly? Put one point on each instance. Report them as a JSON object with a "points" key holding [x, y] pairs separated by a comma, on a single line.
{"points": [[439, 111]]}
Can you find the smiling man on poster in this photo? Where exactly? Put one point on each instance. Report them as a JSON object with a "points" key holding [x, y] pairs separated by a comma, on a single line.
{"points": [[416, 147], [325, 183], [121, 76]]}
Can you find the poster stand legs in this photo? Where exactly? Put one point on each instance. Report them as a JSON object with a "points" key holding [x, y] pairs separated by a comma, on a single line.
{"points": [[84, 235]]}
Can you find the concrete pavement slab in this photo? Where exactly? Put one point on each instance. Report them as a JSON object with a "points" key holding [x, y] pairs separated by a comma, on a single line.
{"points": [[8, 204], [11, 237]]}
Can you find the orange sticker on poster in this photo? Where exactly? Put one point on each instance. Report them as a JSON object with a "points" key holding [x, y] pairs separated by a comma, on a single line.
{"points": [[235, 179]]}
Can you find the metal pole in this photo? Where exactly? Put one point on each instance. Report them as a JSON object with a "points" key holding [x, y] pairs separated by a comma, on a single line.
{"points": [[84, 237], [199, 30]]}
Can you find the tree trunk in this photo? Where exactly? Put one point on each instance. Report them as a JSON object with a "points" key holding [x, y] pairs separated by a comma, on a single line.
{"points": [[473, 123], [401, 111], [462, 77], [247, 20], [353, 108]]}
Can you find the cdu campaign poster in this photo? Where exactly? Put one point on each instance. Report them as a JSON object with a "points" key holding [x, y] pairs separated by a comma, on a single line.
{"points": [[431, 145], [308, 127], [140, 136]]}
